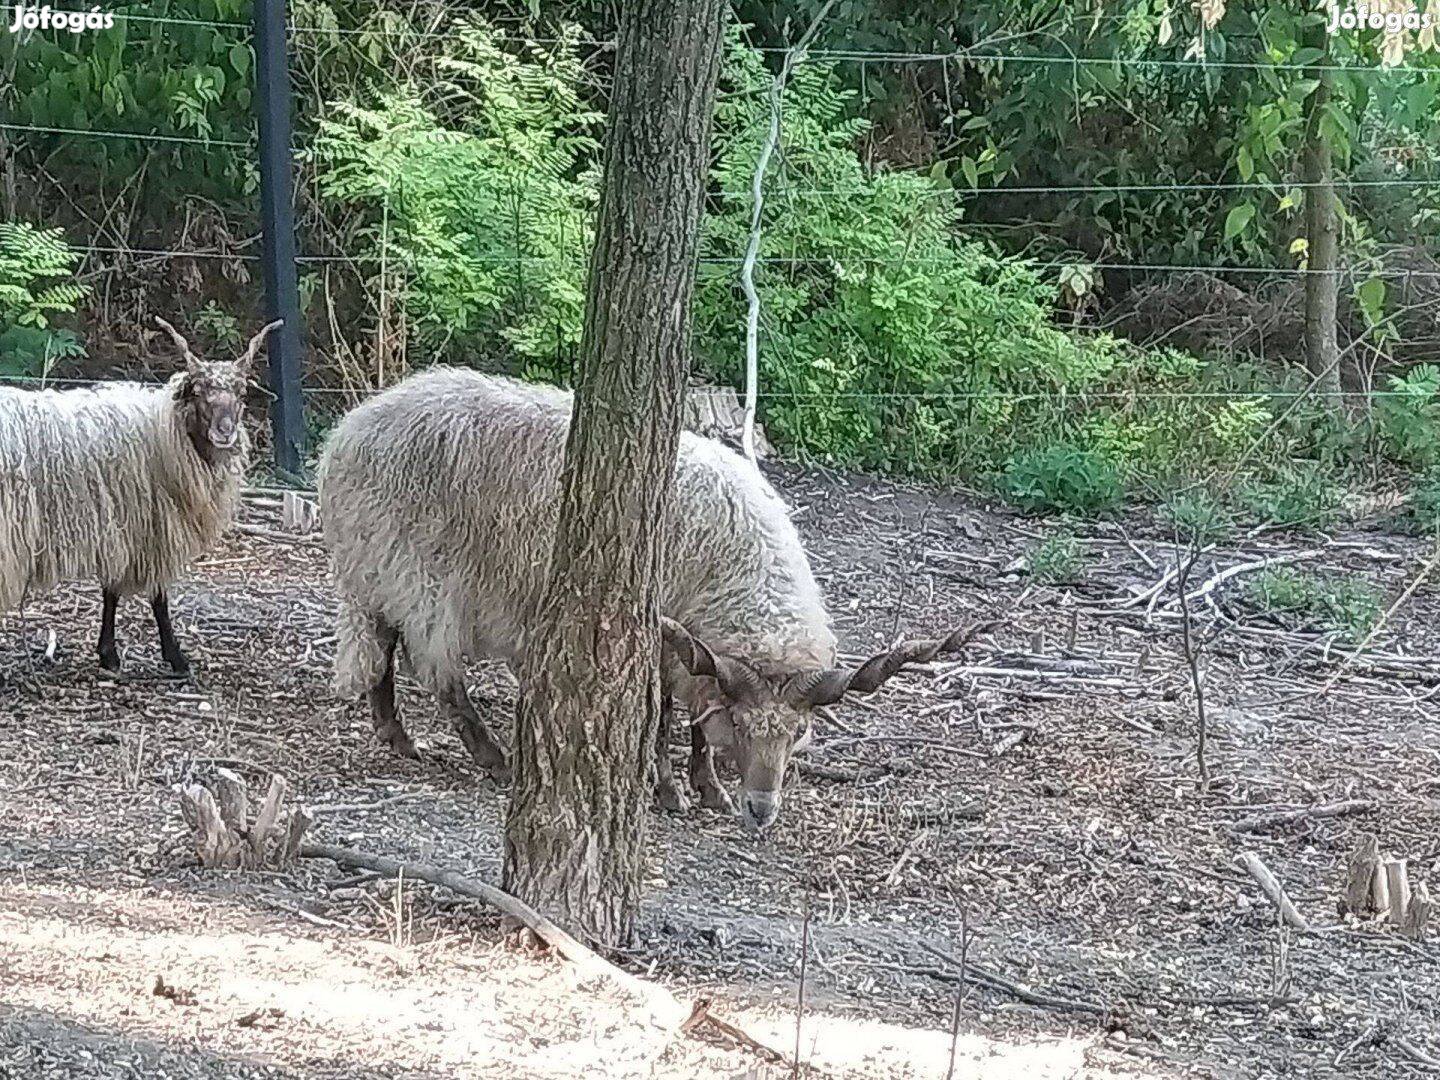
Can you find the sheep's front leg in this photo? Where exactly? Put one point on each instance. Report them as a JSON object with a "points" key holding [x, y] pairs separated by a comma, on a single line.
{"points": [[109, 655], [169, 647], [702, 773], [382, 699], [473, 730], [667, 792]]}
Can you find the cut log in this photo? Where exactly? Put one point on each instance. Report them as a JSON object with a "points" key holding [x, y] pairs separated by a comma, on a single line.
{"points": [[267, 819], [1417, 913], [1251, 864], [1397, 879], [717, 413], [1380, 889], [216, 844], [233, 799], [297, 513], [1363, 863]]}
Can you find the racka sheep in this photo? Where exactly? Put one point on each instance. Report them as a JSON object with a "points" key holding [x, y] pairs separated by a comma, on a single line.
{"points": [[123, 482], [439, 499]]}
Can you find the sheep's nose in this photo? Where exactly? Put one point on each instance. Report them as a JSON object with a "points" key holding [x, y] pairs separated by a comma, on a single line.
{"points": [[761, 808]]}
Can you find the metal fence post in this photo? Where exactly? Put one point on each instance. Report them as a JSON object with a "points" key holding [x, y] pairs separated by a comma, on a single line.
{"points": [[277, 211]]}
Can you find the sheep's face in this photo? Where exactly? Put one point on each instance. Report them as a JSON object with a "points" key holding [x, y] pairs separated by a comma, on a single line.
{"points": [[212, 396], [213, 399], [758, 729], [760, 720]]}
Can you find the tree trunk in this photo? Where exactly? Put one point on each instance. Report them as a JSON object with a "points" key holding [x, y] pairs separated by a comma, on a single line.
{"points": [[590, 697], [1322, 283]]}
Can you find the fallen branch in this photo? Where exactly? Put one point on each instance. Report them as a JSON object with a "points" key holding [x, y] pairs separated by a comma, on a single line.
{"points": [[701, 1017], [665, 1008], [1215, 581], [1261, 822], [1250, 862], [975, 974]]}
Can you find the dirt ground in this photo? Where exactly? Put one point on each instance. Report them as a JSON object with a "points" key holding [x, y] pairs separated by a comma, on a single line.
{"points": [[1042, 789]]}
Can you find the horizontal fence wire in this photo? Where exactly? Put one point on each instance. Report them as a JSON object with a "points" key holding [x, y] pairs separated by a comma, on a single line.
{"points": [[983, 52], [978, 54], [542, 260]]}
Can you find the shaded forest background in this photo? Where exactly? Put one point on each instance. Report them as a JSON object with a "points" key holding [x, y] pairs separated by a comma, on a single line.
{"points": [[1054, 250]]}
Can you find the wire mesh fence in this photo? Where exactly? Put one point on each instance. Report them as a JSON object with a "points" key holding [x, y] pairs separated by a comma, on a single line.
{"points": [[362, 272]]}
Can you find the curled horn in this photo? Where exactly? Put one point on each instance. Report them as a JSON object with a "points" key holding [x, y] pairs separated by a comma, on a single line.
{"points": [[737, 680], [248, 357], [191, 360], [829, 686]]}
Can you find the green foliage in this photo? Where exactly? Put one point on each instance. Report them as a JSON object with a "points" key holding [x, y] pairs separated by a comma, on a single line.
{"points": [[218, 324], [183, 79], [1303, 495], [1408, 416], [482, 216], [36, 283], [1198, 517], [1063, 477], [1347, 604], [1057, 560], [887, 342], [1422, 515]]}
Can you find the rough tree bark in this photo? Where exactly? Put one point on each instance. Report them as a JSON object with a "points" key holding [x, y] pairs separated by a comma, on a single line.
{"points": [[574, 837], [1322, 284]]}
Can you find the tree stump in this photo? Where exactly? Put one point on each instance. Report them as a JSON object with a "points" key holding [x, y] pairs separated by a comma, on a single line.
{"points": [[297, 513], [1360, 888], [227, 838], [1379, 884]]}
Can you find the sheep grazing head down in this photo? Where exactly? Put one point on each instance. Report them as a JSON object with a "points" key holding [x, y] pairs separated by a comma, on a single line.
{"points": [[212, 394], [759, 720]]}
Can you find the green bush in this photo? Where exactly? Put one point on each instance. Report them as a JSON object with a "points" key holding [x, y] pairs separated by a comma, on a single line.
{"points": [[1422, 515], [888, 340], [1063, 477], [36, 283], [1408, 417], [1198, 517], [1303, 496], [483, 215], [1057, 560], [1346, 604]]}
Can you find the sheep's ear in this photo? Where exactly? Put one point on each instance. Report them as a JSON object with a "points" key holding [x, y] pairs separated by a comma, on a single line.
{"points": [[192, 362], [247, 358]]}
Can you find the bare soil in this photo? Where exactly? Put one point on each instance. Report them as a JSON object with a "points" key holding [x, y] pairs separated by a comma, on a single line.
{"points": [[1042, 789]]}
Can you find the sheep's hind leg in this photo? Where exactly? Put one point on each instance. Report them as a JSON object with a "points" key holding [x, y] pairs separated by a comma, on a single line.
{"points": [[702, 773], [473, 730], [169, 646], [382, 699], [667, 792], [109, 655]]}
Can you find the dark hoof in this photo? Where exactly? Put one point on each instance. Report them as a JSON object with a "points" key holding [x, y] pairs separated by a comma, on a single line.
{"points": [[485, 753], [179, 666], [110, 661], [670, 798]]}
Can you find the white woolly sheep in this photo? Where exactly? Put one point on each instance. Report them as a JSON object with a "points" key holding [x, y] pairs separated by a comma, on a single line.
{"points": [[439, 500], [123, 482]]}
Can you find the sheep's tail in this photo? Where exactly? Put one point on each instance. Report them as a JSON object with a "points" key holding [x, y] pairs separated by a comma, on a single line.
{"points": [[360, 655]]}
